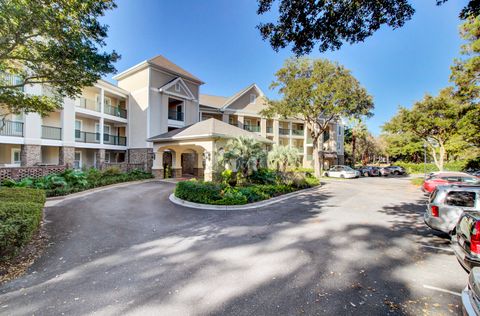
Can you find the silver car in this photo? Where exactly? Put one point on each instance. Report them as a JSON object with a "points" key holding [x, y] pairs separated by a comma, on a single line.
{"points": [[446, 204], [342, 172], [471, 294]]}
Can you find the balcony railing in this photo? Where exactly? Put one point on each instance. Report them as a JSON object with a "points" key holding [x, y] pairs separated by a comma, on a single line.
{"points": [[283, 131], [175, 115], [115, 111], [89, 104], [86, 137], [50, 132], [297, 132], [269, 129], [252, 128], [114, 140], [11, 128]]}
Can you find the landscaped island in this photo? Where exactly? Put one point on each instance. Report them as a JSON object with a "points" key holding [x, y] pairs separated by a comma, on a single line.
{"points": [[260, 185]]}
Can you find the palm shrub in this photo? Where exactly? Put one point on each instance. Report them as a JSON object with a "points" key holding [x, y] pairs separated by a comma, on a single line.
{"points": [[245, 153], [282, 158]]}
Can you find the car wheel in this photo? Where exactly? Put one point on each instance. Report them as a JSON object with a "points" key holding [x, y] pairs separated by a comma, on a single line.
{"points": [[326, 174], [342, 176], [366, 174], [396, 173]]}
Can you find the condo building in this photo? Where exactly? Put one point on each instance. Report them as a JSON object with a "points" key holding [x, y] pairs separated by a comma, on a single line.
{"points": [[156, 119]]}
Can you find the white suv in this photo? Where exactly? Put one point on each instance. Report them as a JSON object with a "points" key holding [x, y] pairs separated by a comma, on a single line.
{"points": [[341, 172]]}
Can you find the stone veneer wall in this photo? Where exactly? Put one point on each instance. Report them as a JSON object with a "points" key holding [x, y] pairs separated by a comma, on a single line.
{"points": [[30, 155], [66, 156], [141, 155]]}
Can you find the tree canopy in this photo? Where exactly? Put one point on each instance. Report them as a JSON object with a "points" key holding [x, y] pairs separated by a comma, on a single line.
{"points": [[320, 92], [433, 120], [55, 43], [330, 23]]}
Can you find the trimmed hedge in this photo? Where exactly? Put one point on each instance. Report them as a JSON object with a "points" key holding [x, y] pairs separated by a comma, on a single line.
{"points": [[22, 195], [20, 216], [431, 167]]}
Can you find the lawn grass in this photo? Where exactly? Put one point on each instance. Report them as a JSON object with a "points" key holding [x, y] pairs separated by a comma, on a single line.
{"points": [[417, 181]]}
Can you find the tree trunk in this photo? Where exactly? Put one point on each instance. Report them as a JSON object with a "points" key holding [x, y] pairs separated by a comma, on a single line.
{"points": [[441, 158], [434, 154], [316, 160], [354, 145]]}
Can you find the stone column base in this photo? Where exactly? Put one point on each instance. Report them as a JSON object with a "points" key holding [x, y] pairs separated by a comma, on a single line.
{"points": [[158, 173], [66, 156], [30, 155], [198, 172], [176, 172]]}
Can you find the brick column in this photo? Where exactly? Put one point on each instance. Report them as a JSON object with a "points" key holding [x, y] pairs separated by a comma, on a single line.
{"points": [[30, 155], [99, 158], [66, 156]]}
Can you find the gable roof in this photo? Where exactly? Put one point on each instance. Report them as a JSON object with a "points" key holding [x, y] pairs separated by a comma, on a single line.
{"points": [[208, 128], [166, 64], [212, 101], [172, 83], [221, 103], [162, 63]]}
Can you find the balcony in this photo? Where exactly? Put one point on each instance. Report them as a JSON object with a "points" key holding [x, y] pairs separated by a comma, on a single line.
{"points": [[86, 137], [269, 129], [284, 131], [175, 115], [252, 128], [114, 140], [50, 132], [11, 128], [89, 104], [115, 111], [297, 132]]}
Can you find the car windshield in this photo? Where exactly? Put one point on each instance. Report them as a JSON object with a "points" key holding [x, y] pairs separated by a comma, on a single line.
{"points": [[347, 168], [471, 180]]}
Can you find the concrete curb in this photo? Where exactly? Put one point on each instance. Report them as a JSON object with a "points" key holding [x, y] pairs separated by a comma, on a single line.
{"points": [[249, 206], [51, 201]]}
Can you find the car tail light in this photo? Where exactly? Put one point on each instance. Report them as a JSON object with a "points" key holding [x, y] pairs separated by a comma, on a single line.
{"points": [[475, 239], [435, 211]]}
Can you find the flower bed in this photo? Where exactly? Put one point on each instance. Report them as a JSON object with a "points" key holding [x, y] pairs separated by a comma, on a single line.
{"points": [[260, 186], [71, 181], [20, 217]]}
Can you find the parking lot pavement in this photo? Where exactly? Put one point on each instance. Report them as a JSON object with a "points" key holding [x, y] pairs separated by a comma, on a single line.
{"points": [[357, 247]]}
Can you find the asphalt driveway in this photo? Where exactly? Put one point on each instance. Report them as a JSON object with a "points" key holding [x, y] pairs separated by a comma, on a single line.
{"points": [[355, 247]]}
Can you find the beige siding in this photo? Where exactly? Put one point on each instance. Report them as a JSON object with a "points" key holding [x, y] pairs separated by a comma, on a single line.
{"points": [[243, 103], [50, 155], [6, 153], [53, 119]]}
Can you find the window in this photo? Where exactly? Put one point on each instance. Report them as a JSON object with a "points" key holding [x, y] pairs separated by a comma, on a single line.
{"points": [[78, 129], [77, 160], [177, 87], [460, 198], [253, 98], [470, 180], [107, 156], [16, 156]]}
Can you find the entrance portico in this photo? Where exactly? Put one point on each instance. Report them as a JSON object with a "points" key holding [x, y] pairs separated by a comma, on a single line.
{"points": [[194, 148]]}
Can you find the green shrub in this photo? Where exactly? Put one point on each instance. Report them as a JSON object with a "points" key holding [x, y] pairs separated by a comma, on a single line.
{"points": [[18, 222], [264, 176], [417, 181], [231, 197], [431, 167], [22, 195], [253, 193], [199, 191]]}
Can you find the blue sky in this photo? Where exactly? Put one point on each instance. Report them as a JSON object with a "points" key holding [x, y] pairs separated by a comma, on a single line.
{"points": [[218, 42]]}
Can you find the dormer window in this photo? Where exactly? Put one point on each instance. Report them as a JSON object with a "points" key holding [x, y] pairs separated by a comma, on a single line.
{"points": [[177, 87], [253, 98]]}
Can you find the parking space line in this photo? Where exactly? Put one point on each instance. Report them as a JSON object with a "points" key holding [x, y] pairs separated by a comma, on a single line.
{"points": [[441, 290]]}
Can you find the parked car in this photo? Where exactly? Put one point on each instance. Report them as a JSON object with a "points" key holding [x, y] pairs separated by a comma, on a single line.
{"points": [[471, 294], [384, 171], [368, 171], [446, 204], [397, 170], [443, 178], [466, 240], [341, 172]]}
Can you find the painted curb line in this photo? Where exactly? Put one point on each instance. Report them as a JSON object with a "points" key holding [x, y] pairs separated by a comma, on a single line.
{"points": [[249, 206]]}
